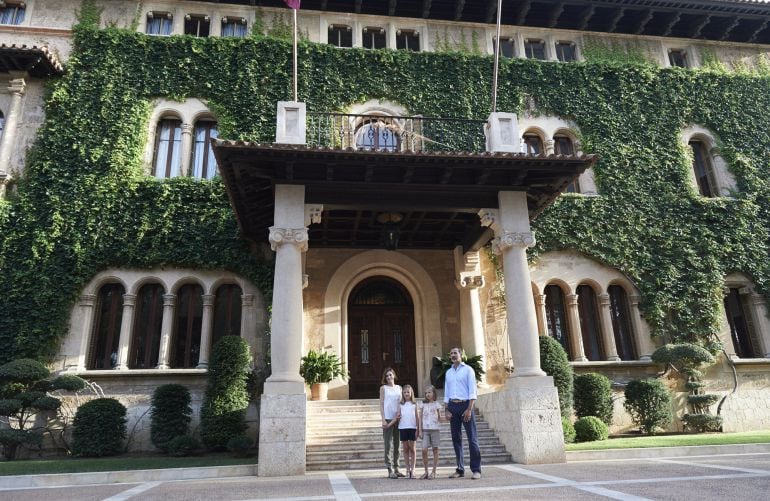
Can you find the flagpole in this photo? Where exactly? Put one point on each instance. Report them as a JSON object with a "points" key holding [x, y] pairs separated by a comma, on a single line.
{"points": [[294, 47], [497, 58]]}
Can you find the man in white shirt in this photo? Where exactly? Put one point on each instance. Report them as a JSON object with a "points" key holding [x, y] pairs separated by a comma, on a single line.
{"points": [[459, 400]]}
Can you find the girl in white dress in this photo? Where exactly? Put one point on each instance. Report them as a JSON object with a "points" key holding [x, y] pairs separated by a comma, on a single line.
{"points": [[408, 428], [430, 419]]}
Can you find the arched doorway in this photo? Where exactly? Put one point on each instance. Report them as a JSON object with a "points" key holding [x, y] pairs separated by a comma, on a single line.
{"points": [[380, 334]]}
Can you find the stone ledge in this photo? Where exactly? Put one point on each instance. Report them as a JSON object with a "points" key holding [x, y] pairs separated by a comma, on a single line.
{"points": [[663, 452]]}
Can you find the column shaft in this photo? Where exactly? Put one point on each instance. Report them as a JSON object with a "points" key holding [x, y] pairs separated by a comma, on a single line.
{"points": [[207, 326], [127, 320], [644, 345], [186, 153], [608, 335], [575, 332], [87, 302], [164, 354], [17, 89]]}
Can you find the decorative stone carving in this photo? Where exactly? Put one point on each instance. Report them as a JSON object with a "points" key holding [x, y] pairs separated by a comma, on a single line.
{"points": [[470, 282], [313, 213], [511, 239], [293, 236]]}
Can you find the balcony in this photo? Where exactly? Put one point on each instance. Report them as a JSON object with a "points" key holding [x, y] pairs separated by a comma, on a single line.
{"points": [[416, 134]]}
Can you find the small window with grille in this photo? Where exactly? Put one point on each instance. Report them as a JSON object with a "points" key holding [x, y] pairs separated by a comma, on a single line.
{"points": [[340, 35], [534, 49], [159, 23], [373, 38], [408, 40], [197, 25], [507, 46], [566, 51]]}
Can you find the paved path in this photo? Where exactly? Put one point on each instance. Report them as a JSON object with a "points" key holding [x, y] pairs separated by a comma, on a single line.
{"points": [[727, 476]]}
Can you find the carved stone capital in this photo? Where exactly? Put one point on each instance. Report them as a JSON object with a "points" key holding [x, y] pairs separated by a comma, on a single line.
{"points": [[572, 299], [293, 236], [489, 219], [510, 239], [313, 213], [187, 129], [87, 300], [604, 299], [17, 86], [129, 300], [169, 300], [540, 300], [470, 281], [305, 280], [634, 299], [247, 300], [208, 299]]}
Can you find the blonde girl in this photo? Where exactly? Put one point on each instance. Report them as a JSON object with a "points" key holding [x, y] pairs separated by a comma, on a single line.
{"points": [[430, 419], [408, 428]]}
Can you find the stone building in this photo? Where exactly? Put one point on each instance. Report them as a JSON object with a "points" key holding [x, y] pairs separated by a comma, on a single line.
{"points": [[391, 222]]}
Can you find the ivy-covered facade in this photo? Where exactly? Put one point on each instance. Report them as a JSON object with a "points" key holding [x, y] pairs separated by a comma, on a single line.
{"points": [[87, 206]]}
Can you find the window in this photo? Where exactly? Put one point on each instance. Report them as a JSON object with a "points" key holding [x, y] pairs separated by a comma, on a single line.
{"points": [[408, 40], [12, 13], [555, 316], [589, 322], [340, 35], [742, 329], [204, 165], [621, 322], [506, 46], [196, 25], [227, 312], [533, 144], [373, 38], [534, 49], [168, 145], [701, 164], [233, 27], [562, 145], [148, 318], [187, 327], [677, 57], [159, 23], [566, 52], [106, 330], [378, 133]]}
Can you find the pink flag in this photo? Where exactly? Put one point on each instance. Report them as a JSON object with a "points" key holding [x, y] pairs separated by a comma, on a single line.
{"points": [[293, 4]]}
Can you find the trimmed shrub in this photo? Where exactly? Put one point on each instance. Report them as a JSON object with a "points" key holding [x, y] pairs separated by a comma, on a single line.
{"points": [[12, 439], [702, 422], [554, 362], [593, 397], [240, 446], [182, 445], [170, 414], [649, 404], [99, 428], [226, 399], [568, 429], [591, 429]]}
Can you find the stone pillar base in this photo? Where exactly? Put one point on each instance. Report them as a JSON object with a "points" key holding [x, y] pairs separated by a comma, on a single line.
{"points": [[526, 417], [282, 430]]}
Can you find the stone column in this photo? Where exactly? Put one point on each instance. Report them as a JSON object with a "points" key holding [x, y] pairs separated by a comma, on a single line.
{"points": [[608, 335], [87, 302], [186, 150], [468, 282], [249, 321], [282, 407], [575, 332], [549, 146], [526, 414], [16, 89], [542, 315], [169, 307], [761, 324], [127, 320], [207, 326], [644, 344]]}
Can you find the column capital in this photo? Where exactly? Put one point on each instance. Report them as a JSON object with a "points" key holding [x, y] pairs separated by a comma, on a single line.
{"points": [[540, 299], [490, 218], [169, 299], [634, 299], [313, 213], [17, 86], [247, 300], [129, 299], [87, 299], [604, 299], [208, 299], [187, 128], [572, 299], [293, 236], [512, 239], [470, 281]]}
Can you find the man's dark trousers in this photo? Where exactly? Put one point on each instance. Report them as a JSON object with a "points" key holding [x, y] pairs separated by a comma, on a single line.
{"points": [[457, 410]]}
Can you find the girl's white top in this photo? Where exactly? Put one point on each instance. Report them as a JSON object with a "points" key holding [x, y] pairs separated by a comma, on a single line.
{"points": [[391, 400], [408, 419], [430, 415]]}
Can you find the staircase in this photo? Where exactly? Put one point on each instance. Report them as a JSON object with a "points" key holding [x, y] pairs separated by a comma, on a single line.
{"points": [[346, 435]]}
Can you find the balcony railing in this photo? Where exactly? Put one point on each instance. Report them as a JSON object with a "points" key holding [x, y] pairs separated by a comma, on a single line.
{"points": [[395, 134]]}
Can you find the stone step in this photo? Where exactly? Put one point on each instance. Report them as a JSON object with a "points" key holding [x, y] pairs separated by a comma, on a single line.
{"points": [[445, 450], [366, 443], [359, 428], [321, 464]]}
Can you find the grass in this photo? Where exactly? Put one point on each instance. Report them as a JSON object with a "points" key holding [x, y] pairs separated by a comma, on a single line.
{"points": [[119, 463], [747, 437]]}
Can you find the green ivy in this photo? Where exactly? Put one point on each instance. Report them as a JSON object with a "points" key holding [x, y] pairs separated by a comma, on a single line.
{"points": [[85, 205]]}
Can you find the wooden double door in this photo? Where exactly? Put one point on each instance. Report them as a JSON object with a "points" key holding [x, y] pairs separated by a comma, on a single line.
{"points": [[380, 335]]}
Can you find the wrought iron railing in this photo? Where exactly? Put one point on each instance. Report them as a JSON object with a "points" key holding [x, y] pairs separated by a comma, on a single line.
{"points": [[397, 134]]}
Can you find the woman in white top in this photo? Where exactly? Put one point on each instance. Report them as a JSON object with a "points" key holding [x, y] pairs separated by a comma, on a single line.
{"points": [[408, 428], [390, 399]]}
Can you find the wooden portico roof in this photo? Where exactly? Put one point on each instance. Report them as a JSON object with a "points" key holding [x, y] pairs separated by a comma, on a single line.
{"points": [[438, 194]]}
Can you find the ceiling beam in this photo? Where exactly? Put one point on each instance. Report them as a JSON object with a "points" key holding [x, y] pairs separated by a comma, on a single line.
{"points": [[697, 28], [491, 11], [426, 8], [357, 6], [459, 7], [523, 11], [760, 29], [729, 28], [644, 21], [670, 24], [615, 20], [586, 17], [556, 14], [392, 7]]}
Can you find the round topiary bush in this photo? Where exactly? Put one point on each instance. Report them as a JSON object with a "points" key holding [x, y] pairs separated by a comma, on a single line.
{"points": [[590, 429], [182, 445], [99, 428], [555, 363], [568, 429], [170, 414], [648, 402], [702, 422], [593, 396], [226, 399]]}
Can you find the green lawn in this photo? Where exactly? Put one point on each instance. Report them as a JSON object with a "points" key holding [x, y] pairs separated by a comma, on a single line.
{"points": [[83, 465], [747, 437]]}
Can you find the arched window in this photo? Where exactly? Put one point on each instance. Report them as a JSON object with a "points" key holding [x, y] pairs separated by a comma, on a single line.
{"points": [[589, 323], [621, 323], [703, 169], [148, 318], [187, 327], [227, 312], [562, 145], [168, 146], [204, 165], [103, 353], [555, 316], [379, 134], [533, 144], [743, 332]]}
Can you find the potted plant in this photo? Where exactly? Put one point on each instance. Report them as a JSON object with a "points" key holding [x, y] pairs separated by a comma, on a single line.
{"points": [[441, 365], [318, 369]]}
